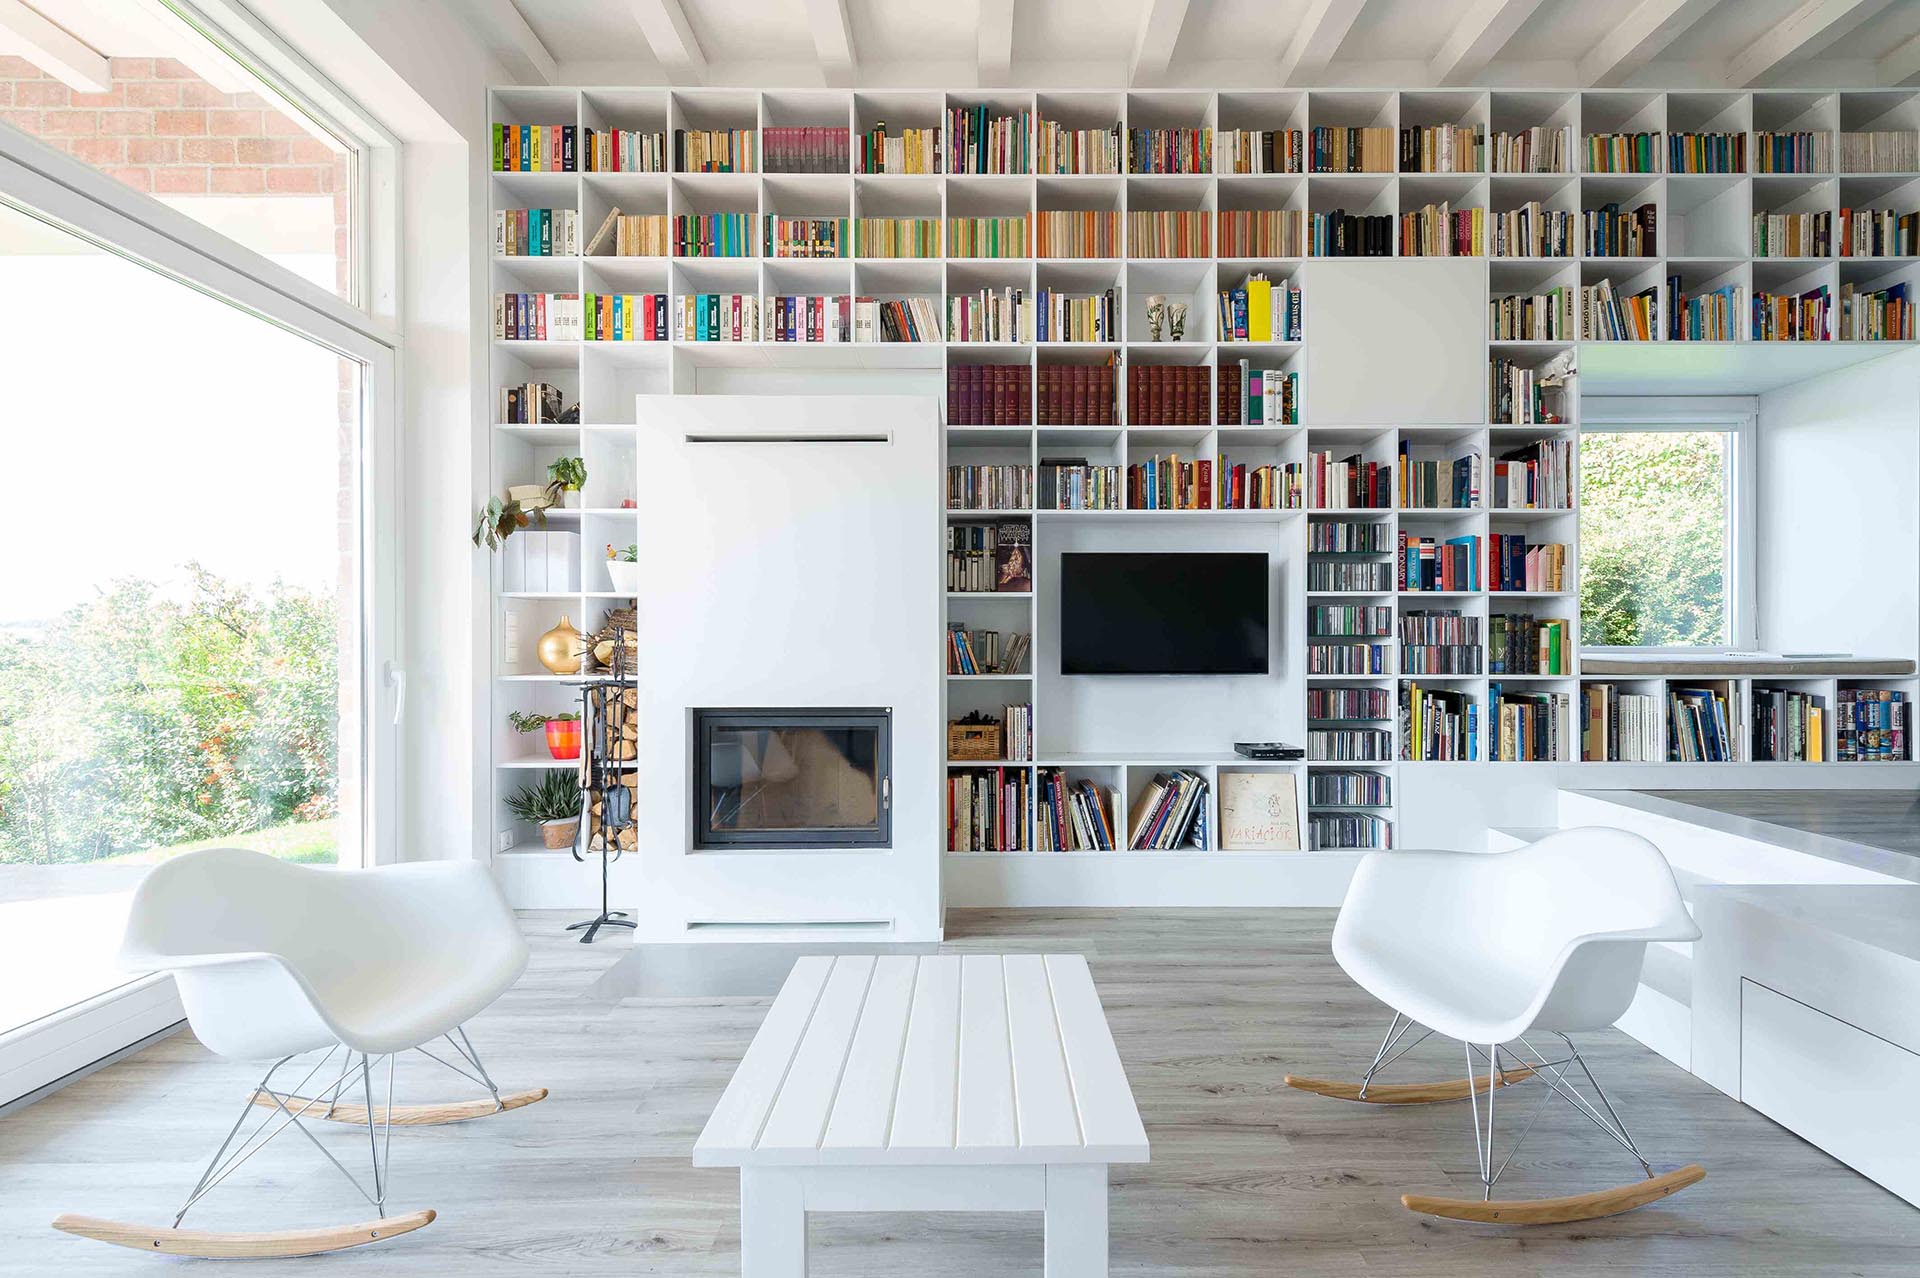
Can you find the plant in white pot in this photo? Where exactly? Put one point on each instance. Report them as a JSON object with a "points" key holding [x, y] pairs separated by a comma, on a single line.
{"points": [[553, 804], [623, 567], [567, 479]]}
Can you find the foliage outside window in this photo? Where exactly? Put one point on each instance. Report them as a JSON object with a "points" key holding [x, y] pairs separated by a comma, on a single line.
{"points": [[1655, 564]]}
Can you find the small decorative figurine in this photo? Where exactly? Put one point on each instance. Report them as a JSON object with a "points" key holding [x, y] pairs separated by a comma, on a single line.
{"points": [[1156, 316]]}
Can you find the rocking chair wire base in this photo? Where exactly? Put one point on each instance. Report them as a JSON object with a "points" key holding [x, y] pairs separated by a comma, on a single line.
{"points": [[289, 1108], [608, 918], [1480, 1089]]}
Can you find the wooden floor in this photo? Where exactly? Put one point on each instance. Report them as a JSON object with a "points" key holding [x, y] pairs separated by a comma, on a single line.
{"points": [[1209, 1009]]}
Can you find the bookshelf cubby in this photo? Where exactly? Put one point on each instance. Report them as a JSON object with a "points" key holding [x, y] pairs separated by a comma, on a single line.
{"points": [[1704, 238]]}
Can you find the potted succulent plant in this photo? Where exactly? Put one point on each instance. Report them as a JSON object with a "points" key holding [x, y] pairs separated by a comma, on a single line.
{"points": [[553, 804], [566, 479], [623, 568], [563, 731]]}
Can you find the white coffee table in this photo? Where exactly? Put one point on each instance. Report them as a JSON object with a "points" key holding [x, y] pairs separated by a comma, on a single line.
{"points": [[937, 1083]]}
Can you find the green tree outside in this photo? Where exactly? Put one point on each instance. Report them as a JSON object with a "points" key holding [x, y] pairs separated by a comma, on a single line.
{"points": [[1653, 538]]}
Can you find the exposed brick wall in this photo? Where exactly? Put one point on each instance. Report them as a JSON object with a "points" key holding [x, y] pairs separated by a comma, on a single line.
{"points": [[163, 130]]}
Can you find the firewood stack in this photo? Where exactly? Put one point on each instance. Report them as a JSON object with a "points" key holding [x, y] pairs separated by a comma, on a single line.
{"points": [[626, 750]]}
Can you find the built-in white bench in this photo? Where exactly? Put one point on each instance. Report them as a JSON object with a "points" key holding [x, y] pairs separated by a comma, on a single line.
{"points": [[937, 1083]]}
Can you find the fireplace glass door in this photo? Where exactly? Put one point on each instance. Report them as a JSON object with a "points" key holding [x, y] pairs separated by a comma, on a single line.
{"points": [[793, 778]]}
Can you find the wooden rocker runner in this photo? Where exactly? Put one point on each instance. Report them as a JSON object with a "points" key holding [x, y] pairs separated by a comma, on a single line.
{"points": [[1489, 948], [281, 961]]}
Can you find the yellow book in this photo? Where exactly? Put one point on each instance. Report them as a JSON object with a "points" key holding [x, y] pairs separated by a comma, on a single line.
{"points": [[1816, 734], [1259, 310]]}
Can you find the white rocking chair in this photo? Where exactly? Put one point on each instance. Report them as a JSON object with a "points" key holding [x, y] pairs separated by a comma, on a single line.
{"points": [[1489, 948], [275, 961]]}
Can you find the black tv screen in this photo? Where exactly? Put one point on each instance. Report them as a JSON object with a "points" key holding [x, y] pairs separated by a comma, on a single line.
{"points": [[1163, 613]]}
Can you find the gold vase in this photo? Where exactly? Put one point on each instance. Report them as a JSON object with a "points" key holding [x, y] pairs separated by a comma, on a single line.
{"points": [[560, 648]]}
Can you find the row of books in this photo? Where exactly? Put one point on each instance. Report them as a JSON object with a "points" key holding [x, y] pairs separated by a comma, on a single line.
{"points": [[1427, 564], [1793, 234], [1167, 483], [1348, 483], [1330, 831], [1017, 731], [1351, 745], [1438, 724], [990, 558], [805, 148], [1333, 621], [1611, 231], [535, 148], [1259, 150], [1068, 317], [987, 236], [1335, 788], [1439, 484], [1073, 483], [1262, 233], [1707, 317], [536, 232], [1698, 730], [1876, 315], [806, 236], [1792, 151], [1338, 537], [990, 394], [1339, 149], [980, 141], [1170, 812], [1440, 230], [841, 318], [1870, 725], [1879, 233], [908, 151], [1268, 396], [1078, 394], [1003, 486], [1785, 317], [1515, 393], [1533, 231], [1512, 564], [1346, 658], [1442, 642], [1269, 487], [539, 317], [624, 151], [1442, 148], [1619, 727], [1607, 317], [1706, 152], [1075, 816], [716, 151], [990, 315], [1538, 476], [896, 237], [1260, 310], [632, 235], [975, 652], [1880, 151], [1623, 152], [1169, 394], [988, 809], [1541, 149], [1174, 150], [1519, 643], [1531, 726], [1063, 150], [629, 317], [530, 404], [1343, 234], [1076, 233], [1168, 233], [717, 317], [1789, 726], [1535, 317], [713, 235]]}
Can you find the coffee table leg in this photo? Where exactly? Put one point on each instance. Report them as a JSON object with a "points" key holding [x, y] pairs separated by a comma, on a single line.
{"points": [[1076, 1245], [773, 1224]]}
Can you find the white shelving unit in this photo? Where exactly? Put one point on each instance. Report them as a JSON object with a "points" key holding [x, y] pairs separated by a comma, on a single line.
{"points": [[1704, 225]]}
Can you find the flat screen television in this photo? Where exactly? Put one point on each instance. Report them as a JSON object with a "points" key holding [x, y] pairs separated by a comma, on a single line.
{"points": [[1168, 614]]}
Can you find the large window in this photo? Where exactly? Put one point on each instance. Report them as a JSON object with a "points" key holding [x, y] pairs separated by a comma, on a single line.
{"points": [[1658, 537]]}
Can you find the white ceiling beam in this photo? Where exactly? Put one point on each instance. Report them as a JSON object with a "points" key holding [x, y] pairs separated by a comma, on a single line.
{"points": [[1900, 66], [517, 45], [664, 24], [25, 33], [198, 53], [1153, 44], [1638, 38], [1803, 34], [1322, 27], [995, 55], [832, 39], [1478, 39]]}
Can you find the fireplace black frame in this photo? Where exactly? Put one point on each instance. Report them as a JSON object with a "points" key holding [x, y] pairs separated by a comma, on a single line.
{"points": [[878, 835]]}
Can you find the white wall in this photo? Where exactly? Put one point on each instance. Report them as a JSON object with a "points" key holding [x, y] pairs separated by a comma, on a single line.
{"points": [[1839, 520]]}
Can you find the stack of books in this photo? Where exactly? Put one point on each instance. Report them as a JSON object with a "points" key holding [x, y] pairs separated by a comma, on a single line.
{"points": [[1170, 812], [1169, 395], [624, 151], [989, 315], [990, 558], [1610, 231], [976, 652], [1168, 233], [1073, 483], [1170, 150], [713, 235], [988, 809], [536, 232], [1619, 727], [1789, 726], [1518, 566], [1879, 315], [1263, 233], [1698, 730], [1429, 564], [806, 236], [978, 140], [1244, 487], [716, 151], [1518, 643], [1064, 150], [1343, 234], [1880, 151], [896, 237], [1708, 317], [1879, 233], [1607, 317], [1442, 148], [1536, 150], [537, 317], [1003, 486], [625, 317], [1077, 233], [1079, 394], [900, 319], [1790, 152], [1350, 483], [989, 394], [1515, 394], [717, 317], [1535, 477], [1784, 317], [632, 235], [987, 236], [534, 148], [1439, 485], [1167, 483], [1439, 230], [1438, 724], [1706, 152], [1795, 234], [1075, 816], [1870, 725], [1259, 150], [1068, 317], [1623, 152], [1340, 149], [1260, 310], [1531, 726], [1539, 317], [805, 148], [909, 151], [1533, 231]]}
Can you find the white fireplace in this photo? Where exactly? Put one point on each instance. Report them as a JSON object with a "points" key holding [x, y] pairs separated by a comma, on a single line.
{"points": [[788, 604]]}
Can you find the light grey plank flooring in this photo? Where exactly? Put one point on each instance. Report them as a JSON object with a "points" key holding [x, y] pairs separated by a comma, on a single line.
{"points": [[1210, 1009]]}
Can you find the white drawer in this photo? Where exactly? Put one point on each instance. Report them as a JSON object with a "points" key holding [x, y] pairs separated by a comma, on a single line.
{"points": [[1843, 1089]]}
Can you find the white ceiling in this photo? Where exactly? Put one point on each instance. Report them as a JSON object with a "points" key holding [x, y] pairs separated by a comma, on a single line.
{"points": [[1207, 43]]}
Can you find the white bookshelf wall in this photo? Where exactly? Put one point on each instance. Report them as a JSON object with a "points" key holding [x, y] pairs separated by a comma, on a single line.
{"points": [[1704, 237]]}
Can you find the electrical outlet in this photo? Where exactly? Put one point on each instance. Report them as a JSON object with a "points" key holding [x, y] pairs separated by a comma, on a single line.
{"points": [[505, 841]]}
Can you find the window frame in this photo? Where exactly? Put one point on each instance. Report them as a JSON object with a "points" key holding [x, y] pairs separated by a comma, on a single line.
{"points": [[1737, 416]]}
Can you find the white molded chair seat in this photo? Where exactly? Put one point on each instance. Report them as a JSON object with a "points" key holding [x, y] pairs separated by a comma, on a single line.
{"points": [[1485, 946]]}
